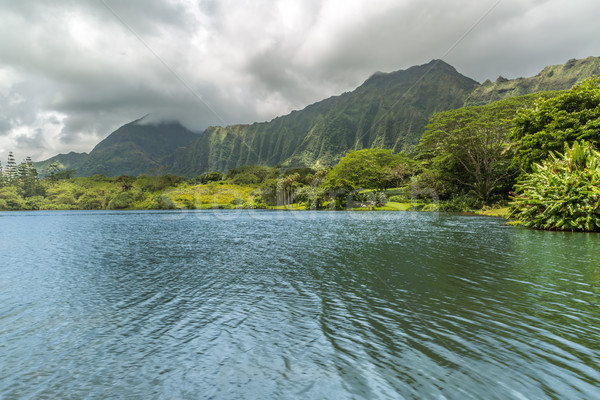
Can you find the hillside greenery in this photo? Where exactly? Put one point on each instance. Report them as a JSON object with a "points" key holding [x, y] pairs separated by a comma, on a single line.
{"points": [[136, 148], [389, 110]]}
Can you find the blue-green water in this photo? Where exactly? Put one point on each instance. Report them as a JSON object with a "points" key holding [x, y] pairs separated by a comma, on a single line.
{"points": [[251, 304]]}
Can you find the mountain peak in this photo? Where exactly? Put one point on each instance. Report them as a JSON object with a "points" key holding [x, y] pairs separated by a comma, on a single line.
{"points": [[413, 73]]}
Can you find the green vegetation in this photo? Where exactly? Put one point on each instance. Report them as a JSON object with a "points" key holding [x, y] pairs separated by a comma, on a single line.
{"points": [[572, 116], [467, 153], [378, 169], [389, 110], [561, 193]]}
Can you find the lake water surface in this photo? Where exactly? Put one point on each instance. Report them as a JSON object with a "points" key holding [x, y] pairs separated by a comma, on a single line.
{"points": [[269, 305]]}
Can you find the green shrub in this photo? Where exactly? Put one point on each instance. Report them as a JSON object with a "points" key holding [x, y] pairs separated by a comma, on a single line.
{"points": [[460, 203], [163, 202], [10, 199], [398, 199], [246, 178], [312, 196], [561, 193], [121, 201], [208, 177], [91, 200]]}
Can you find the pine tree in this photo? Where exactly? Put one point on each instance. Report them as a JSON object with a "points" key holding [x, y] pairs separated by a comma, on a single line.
{"points": [[29, 178], [53, 171], [11, 169]]}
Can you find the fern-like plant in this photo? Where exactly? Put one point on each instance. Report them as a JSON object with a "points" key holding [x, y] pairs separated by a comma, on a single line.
{"points": [[562, 192]]}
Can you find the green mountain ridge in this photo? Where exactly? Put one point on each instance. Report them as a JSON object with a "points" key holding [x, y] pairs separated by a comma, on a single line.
{"points": [[553, 77], [389, 110]]}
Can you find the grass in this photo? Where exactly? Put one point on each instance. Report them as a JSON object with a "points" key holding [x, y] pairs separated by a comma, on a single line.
{"points": [[495, 212]]}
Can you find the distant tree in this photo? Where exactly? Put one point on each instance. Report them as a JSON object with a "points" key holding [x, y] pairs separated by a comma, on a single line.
{"points": [[368, 168], [28, 177], [286, 187], [572, 116], [11, 172], [312, 195], [52, 171], [126, 182], [251, 174], [56, 174], [206, 177]]}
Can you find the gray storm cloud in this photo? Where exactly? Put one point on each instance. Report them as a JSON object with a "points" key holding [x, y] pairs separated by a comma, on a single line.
{"points": [[73, 71]]}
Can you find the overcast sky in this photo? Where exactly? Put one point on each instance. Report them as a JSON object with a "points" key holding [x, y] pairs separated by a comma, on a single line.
{"points": [[72, 71]]}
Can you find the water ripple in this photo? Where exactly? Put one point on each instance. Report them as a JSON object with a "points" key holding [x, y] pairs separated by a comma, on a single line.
{"points": [[295, 305]]}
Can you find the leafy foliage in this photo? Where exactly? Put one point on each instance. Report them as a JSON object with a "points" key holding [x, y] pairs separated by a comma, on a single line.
{"points": [[572, 116], [468, 148], [369, 168], [251, 174], [206, 177], [561, 193]]}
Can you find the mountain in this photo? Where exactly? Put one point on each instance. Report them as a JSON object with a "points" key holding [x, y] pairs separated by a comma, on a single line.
{"points": [[388, 110], [70, 161], [134, 149], [554, 77]]}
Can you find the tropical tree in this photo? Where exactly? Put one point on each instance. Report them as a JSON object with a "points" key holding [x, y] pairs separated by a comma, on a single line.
{"points": [[286, 187], [572, 116], [469, 147], [561, 193], [368, 168]]}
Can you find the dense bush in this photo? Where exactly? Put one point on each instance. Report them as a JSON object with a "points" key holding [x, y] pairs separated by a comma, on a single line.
{"points": [[209, 177], [561, 193], [460, 203], [121, 201], [572, 116], [245, 178]]}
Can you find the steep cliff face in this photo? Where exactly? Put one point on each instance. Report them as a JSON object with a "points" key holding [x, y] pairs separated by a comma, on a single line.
{"points": [[388, 110], [554, 77]]}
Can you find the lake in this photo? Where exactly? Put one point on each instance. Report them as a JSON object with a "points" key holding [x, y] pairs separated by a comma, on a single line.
{"points": [[320, 305]]}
